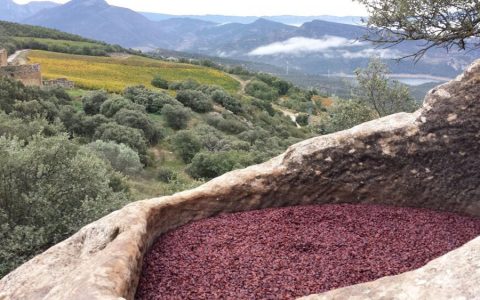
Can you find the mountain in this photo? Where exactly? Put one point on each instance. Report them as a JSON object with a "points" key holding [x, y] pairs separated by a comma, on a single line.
{"points": [[11, 11], [316, 47], [98, 20], [285, 19]]}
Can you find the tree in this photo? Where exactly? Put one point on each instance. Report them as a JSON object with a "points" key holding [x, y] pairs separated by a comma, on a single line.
{"points": [[139, 120], [159, 82], [122, 135], [376, 91], [92, 102], [210, 165], [261, 90], [114, 104], [196, 100], [51, 187], [186, 145], [177, 117], [151, 100], [346, 114], [121, 157], [443, 23]]}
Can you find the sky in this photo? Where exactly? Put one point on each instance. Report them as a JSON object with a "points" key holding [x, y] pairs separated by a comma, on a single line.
{"points": [[241, 7]]}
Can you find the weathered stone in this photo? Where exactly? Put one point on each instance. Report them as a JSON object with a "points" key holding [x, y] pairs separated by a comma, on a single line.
{"points": [[426, 159]]}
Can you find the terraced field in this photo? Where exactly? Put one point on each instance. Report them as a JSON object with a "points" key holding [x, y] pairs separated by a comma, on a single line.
{"points": [[115, 73]]}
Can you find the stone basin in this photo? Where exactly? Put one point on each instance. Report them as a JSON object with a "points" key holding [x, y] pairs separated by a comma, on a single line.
{"points": [[428, 159]]}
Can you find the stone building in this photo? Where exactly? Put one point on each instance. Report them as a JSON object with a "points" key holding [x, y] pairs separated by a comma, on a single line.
{"points": [[29, 75], [59, 82], [3, 58]]}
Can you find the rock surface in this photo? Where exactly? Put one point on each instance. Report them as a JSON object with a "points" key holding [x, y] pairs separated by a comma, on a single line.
{"points": [[427, 159]]}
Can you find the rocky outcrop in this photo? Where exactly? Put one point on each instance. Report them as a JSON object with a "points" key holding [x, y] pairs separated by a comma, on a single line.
{"points": [[426, 159]]}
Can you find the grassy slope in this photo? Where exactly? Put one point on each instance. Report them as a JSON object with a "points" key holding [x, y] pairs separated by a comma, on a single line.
{"points": [[52, 42], [115, 73]]}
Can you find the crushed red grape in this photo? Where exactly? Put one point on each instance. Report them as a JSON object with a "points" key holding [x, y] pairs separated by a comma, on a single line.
{"points": [[284, 253]]}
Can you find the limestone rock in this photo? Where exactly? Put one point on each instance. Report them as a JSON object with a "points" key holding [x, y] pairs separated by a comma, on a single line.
{"points": [[426, 159]]}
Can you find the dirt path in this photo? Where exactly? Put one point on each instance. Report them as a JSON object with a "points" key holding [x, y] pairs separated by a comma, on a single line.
{"points": [[292, 115], [243, 83], [18, 58]]}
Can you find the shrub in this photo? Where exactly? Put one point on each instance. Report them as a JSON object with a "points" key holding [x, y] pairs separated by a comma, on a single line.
{"points": [[188, 84], [50, 188], [159, 82], [114, 104], [122, 135], [227, 101], [186, 145], [121, 157], [92, 102], [302, 119], [347, 114], [152, 101], [138, 120], [196, 100], [177, 117], [261, 90], [166, 175], [210, 165]]}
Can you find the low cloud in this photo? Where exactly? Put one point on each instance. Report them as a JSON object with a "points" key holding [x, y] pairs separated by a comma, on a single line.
{"points": [[365, 53], [299, 45]]}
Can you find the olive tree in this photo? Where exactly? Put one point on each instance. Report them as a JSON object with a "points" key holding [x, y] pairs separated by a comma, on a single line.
{"points": [[378, 92], [443, 23], [50, 188]]}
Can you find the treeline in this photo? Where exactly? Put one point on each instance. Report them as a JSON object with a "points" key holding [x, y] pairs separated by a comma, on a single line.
{"points": [[14, 36]]}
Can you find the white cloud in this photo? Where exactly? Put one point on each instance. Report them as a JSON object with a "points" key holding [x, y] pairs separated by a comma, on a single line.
{"points": [[365, 53], [298, 45]]}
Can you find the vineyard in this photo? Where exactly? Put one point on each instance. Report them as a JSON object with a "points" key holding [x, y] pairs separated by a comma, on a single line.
{"points": [[115, 73]]}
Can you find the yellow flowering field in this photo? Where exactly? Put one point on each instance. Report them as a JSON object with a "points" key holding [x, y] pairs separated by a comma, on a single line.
{"points": [[115, 73]]}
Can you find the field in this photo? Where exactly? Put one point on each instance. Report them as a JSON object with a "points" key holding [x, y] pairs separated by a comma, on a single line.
{"points": [[52, 42], [115, 73]]}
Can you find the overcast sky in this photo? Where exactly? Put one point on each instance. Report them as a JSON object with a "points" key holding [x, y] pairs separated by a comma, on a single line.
{"points": [[241, 7]]}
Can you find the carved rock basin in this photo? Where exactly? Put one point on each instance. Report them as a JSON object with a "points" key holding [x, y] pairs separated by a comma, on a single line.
{"points": [[427, 159]]}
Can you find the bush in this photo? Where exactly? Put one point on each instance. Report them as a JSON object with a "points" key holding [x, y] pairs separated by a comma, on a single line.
{"points": [[188, 84], [121, 157], [159, 82], [51, 187], [265, 106], [347, 114], [207, 165], [138, 120], [227, 101], [114, 104], [90, 124], [122, 135], [261, 90], [152, 101], [196, 100], [302, 119], [166, 175], [177, 117], [92, 102], [186, 145], [26, 129]]}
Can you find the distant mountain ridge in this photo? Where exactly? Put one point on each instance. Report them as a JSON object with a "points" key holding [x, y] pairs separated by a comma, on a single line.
{"points": [[11, 11], [316, 47], [285, 19]]}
